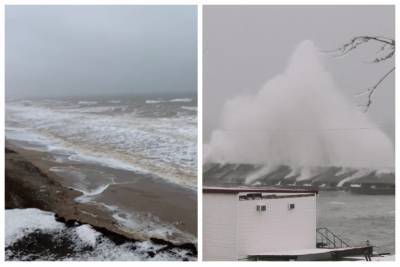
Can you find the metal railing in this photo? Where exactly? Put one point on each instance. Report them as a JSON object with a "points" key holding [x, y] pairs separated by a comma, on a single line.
{"points": [[327, 239]]}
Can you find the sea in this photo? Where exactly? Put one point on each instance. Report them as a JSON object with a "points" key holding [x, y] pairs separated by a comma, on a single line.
{"points": [[88, 138], [154, 134], [358, 218]]}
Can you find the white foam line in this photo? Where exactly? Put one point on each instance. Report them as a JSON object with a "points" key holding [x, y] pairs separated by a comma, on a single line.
{"points": [[87, 195], [189, 108], [181, 100]]}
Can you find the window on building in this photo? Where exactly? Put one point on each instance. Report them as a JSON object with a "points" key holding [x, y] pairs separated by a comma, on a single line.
{"points": [[261, 208]]}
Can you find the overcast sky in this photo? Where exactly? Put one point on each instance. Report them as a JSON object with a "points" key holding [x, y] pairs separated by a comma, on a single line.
{"points": [[86, 50], [244, 46]]}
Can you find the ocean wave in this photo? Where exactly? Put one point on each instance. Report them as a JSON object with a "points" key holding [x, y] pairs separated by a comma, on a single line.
{"points": [[88, 102], [181, 100], [189, 108], [151, 101], [163, 147], [154, 101]]}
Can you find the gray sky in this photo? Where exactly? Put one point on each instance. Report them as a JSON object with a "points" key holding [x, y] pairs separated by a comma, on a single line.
{"points": [[86, 50], [244, 46]]}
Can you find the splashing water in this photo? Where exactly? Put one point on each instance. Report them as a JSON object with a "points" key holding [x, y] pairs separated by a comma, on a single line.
{"points": [[300, 119]]}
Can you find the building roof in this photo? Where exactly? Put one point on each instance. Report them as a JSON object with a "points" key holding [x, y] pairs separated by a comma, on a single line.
{"points": [[237, 190]]}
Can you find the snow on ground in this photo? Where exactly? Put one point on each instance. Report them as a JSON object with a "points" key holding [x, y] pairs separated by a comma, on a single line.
{"points": [[33, 234], [20, 222], [87, 234]]}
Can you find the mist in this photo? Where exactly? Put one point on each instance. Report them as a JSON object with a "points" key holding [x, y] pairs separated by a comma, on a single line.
{"points": [[246, 45], [299, 118], [100, 50]]}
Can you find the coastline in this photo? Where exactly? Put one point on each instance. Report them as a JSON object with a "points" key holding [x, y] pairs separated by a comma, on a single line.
{"points": [[29, 183]]}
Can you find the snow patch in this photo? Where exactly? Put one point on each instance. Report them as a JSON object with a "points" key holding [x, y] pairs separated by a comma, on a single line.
{"points": [[20, 222], [87, 234]]}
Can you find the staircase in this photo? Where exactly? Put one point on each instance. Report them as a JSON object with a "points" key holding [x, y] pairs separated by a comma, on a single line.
{"points": [[327, 239]]}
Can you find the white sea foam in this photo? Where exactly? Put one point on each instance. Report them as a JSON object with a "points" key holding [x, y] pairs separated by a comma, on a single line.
{"points": [[98, 109], [151, 101], [154, 101], [88, 102], [88, 195], [181, 100], [163, 147], [33, 140], [189, 108]]}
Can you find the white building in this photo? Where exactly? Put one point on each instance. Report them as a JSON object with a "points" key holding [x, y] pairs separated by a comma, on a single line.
{"points": [[240, 222]]}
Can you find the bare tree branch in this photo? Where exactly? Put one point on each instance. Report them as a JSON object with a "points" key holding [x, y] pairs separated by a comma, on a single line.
{"points": [[385, 52], [372, 89], [388, 44], [379, 59]]}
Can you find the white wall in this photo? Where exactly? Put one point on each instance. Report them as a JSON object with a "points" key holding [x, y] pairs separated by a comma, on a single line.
{"points": [[276, 229], [219, 226]]}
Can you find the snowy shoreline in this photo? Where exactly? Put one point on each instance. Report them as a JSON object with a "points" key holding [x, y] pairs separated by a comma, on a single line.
{"points": [[33, 234]]}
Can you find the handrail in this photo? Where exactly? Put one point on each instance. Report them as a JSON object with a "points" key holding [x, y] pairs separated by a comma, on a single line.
{"points": [[327, 237]]}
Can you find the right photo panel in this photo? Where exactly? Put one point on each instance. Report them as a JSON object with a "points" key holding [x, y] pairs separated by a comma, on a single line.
{"points": [[298, 133]]}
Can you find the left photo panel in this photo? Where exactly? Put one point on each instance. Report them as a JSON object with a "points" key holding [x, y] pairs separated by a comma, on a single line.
{"points": [[101, 133]]}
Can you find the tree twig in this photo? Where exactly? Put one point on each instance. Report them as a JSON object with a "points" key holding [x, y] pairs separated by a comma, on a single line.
{"points": [[360, 40], [372, 89]]}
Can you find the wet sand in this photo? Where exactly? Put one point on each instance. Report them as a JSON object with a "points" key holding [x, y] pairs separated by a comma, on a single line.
{"points": [[166, 202], [31, 183]]}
